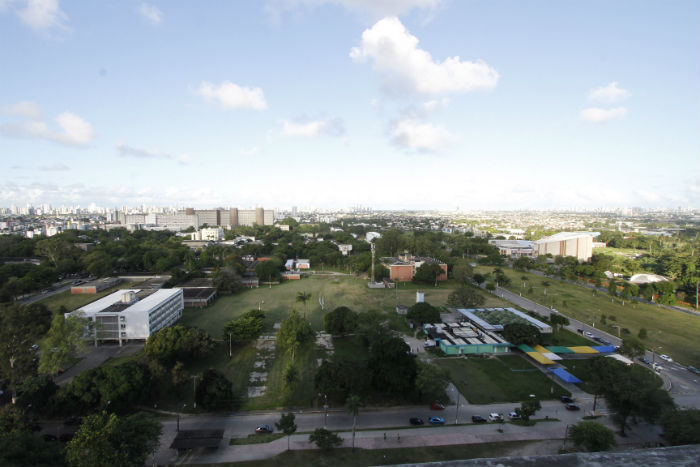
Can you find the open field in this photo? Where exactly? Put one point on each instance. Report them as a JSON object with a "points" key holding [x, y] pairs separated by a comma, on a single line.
{"points": [[72, 302], [499, 379], [677, 332]]}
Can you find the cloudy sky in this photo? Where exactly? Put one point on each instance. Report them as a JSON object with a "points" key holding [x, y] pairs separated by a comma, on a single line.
{"points": [[477, 104]]}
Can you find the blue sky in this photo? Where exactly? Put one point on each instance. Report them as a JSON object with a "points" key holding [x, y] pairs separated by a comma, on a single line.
{"points": [[427, 104]]}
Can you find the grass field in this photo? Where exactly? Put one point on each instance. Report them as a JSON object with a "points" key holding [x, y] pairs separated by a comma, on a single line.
{"points": [[499, 379], [72, 302], [675, 331], [347, 457]]}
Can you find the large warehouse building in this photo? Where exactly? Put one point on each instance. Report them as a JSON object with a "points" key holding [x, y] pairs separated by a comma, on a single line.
{"points": [[577, 244], [132, 314]]}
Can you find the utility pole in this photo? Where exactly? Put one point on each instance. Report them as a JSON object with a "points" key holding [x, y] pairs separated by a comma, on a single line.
{"points": [[230, 349], [372, 262], [194, 393], [457, 413]]}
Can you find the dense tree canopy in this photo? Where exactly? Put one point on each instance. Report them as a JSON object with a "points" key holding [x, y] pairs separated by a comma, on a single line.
{"points": [[592, 436], [681, 426], [424, 312], [392, 367], [341, 321], [522, 333], [465, 296], [245, 328], [214, 391], [177, 343]]}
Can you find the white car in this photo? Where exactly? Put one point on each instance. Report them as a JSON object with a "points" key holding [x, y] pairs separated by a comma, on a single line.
{"points": [[665, 357], [494, 417], [657, 367]]}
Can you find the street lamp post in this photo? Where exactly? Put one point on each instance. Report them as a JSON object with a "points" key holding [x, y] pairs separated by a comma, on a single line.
{"points": [[457, 413], [230, 349], [178, 417], [653, 354], [618, 329], [325, 408]]}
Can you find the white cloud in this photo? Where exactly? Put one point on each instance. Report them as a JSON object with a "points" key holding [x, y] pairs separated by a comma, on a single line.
{"points": [[374, 8], [403, 66], [232, 96], [436, 104], [59, 167], [151, 13], [310, 128], [609, 94], [42, 15], [125, 150], [598, 115], [410, 134], [75, 130], [23, 109]]}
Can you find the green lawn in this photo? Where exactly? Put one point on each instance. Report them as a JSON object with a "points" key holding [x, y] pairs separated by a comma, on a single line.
{"points": [[73, 302], [499, 379], [346, 457], [675, 331]]}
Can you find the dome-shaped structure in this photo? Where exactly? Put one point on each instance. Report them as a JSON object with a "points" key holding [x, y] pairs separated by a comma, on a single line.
{"points": [[647, 278]]}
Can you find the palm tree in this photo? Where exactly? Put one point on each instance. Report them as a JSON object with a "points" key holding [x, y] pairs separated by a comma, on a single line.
{"points": [[304, 297], [352, 406]]}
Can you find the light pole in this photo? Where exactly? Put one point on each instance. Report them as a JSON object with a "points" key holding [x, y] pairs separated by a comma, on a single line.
{"points": [[230, 349], [325, 407], [260, 303], [178, 417], [618, 329], [653, 354], [457, 413], [194, 391]]}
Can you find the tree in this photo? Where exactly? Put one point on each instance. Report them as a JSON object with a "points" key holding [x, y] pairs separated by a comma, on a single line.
{"points": [[304, 297], [528, 408], [463, 272], [391, 366], [246, 328], [681, 426], [287, 426], [214, 391], [352, 406], [558, 320], [324, 439], [108, 440], [340, 377], [38, 393], [291, 375], [427, 273], [178, 342], [431, 382], [592, 436], [20, 328], [501, 278], [479, 278], [424, 312], [521, 333], [522, 264], [632, 347], [64, 340], [226, 279], [268, 271], [340, 321], [465, 296], [23, 448], [98, 263], [294, 331]]}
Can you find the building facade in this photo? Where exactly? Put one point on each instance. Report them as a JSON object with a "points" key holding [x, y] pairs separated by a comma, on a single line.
{"points": [[577, 244]]}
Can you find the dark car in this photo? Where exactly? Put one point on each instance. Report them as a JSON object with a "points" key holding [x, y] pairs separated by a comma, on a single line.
{"points": [[263, 429], [572, 407], [49, 437], [644, 360], [478, 419], [580, 331], [437, 406], [416, 421], [566, 399], [692, 369], [436, 421]]}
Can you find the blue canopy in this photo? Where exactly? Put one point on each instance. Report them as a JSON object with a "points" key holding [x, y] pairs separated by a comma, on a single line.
{"points": [[604, 348], [565, 375]]}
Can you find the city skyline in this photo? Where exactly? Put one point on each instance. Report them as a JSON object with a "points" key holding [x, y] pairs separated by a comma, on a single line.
{"points": [[403, 104]]}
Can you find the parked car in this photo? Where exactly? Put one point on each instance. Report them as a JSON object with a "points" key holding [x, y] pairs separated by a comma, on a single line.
{"points": [[49, 437], [572, 407], [644, 360], [436, 421], [495, 417], [263, 429], [416, 421], [692, 369], [478, 419], [437, 406], [657, 367], [588, 334], [580, 331], [514, 416], [566, 399], [665, 357]]}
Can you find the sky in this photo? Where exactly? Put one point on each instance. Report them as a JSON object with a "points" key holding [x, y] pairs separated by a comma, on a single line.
{"points": [[392, 104]]}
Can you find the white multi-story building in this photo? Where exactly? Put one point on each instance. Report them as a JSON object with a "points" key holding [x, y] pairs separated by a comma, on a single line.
{"points": [[132, 314], [212, 234], [577, 244]]}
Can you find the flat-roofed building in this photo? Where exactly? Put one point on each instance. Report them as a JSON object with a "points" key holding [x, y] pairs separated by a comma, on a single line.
{"points": [[514, 248], [576, 244], [132, 314]]}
